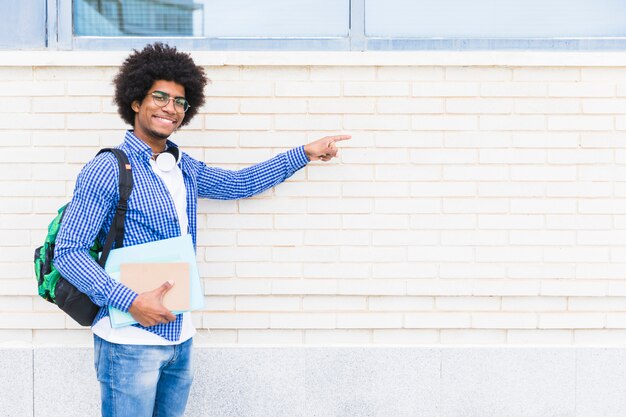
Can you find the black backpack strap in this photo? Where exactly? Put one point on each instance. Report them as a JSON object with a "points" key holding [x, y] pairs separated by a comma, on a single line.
{"points": [[116, 232]]}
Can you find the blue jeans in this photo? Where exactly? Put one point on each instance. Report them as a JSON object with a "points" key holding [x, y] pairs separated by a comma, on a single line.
{"points": [[141, 380]]}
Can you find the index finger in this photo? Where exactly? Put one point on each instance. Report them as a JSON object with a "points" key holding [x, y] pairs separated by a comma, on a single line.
{"points": [[340, 137]]}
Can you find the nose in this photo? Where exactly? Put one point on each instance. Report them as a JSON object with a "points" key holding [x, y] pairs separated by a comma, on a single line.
{"points": [[169, 107]]}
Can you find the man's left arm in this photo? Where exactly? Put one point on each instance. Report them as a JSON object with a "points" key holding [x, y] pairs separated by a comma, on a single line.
{"points": [[224, 184]]}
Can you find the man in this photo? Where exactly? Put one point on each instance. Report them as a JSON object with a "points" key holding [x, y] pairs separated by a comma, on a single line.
{"points": [[145, 369]]}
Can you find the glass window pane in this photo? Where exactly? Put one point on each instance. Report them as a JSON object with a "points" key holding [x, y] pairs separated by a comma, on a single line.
{"points": [[495, 18], [212, 18], [26, 25]]}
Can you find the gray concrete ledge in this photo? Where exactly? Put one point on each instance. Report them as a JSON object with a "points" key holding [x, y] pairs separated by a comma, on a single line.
{"points": [[343, 382]]}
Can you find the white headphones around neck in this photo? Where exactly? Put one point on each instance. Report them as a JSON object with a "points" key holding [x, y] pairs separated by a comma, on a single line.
{"points": [[168, 159]]}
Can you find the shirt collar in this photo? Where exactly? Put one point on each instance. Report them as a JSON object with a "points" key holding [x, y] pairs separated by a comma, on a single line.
{"points": [[134, 144]]}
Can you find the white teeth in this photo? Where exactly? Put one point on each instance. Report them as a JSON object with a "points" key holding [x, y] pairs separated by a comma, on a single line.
{"points": [[165, 120]]}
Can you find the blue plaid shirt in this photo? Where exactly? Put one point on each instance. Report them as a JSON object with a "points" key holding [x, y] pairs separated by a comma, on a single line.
{"points": [[151, 214]]}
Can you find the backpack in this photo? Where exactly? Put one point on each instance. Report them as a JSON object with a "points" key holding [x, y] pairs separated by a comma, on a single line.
{"points": [[51, 285]]}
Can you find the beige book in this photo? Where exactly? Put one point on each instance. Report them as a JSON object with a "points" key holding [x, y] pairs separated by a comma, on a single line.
{"points": [[142, 277]]}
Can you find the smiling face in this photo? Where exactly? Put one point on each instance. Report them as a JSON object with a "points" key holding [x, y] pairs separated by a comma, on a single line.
{"points": [[154, 124]]}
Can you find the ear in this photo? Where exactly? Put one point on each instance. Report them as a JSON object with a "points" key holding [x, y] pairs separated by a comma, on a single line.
{"points": [[135, 106]]}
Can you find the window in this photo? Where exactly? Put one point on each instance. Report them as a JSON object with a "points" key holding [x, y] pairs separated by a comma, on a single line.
{"points": [[317, 24]]}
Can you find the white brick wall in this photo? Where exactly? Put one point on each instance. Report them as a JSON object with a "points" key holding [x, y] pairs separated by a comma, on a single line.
{"points": [[474, 204]]}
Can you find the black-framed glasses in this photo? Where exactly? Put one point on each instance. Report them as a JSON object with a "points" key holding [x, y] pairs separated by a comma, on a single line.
{"points": [[161, 99]]}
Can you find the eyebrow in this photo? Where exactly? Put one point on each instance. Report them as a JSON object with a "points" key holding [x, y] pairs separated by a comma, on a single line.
{"points": [[163, 92]]}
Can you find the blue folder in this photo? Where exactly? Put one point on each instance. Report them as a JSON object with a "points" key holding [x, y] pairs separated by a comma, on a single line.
{"points": [[176, 249]]}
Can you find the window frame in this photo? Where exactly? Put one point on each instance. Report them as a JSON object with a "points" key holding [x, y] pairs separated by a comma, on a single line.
{"points": [[356, 40]]}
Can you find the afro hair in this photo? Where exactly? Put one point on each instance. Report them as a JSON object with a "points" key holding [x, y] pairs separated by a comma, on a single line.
{"points": [[158, 62]]}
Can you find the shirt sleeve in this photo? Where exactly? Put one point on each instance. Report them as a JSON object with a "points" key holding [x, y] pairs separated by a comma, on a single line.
{"points": [[224, 184], [95, 196]]}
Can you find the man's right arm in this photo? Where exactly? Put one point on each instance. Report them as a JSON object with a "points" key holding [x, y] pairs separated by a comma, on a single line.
{"points": [[95, 195]]}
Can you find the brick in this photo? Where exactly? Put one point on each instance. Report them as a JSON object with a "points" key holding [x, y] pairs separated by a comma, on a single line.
{"points": [[494, 287], [479, 106], [408, 270], [400, 303], [238, 122], [236, 320], [439, 287], [476, 173], [444, 122], [542, 238], [406, 173], [534, 304], [304, 286], [307, 221], [31, 88], [410, 73], [549, 206], [437, 320], [608, 337], [334, 303], [578, 222], [32, 121], [341, 106], [405, 337], [372, 287], [340, 206], [512, 156], [369, 320], [471, 271], [539, 337], [473, 337], [572, 321], [410, 105], [219, 303], [272, 238], [547, 74], [573, 288], [406, 206], [404, 237], [510, 221], [443, 156], [508, 189], [440, 254], [543, 173], [468, 205], [477, 140], [270, 139], [337, 337], [302, 254], [370, 254], [18, 337], [48, 140], [547, 106], [444, 89], [504, 321], [270, 337], [32, 321], [374, 221], [443, 221], [268, 270], [384, 122], [581, 89], [239, 89], [514, 122], [342, 73], [16, 105], [307, 89], [376, 156], [68, 73], [216, 238], [222, 106], [596, 304], [580, 122], [268, 303], [17, 73], [66, 105], [474, 238], [303, 321], [545, 140], [376, 189], [236, 287], [467, 303], [337, 237], [373, 89], [509, 254], [513, 89], [273, 205], [224, 72], [581, 190], [308, 122], [274, 73], [409, 139]]}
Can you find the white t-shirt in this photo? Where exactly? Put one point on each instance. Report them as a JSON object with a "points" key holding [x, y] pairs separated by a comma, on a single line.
{"points": [[130, 335]]}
